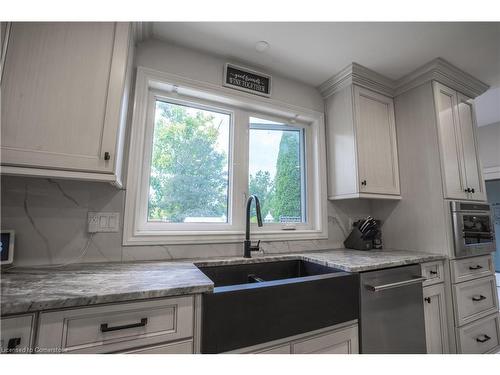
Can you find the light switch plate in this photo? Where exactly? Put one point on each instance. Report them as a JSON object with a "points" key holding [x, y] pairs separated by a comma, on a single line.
{"points": [[103, 222]]}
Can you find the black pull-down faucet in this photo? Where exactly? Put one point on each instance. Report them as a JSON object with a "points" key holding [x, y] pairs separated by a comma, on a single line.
{"points": [[248, 244]]}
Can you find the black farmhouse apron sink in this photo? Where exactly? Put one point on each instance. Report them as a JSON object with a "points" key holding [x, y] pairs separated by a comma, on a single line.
{"points": [[254, 303]]}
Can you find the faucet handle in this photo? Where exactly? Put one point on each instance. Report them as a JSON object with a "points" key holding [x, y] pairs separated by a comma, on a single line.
{"points": [[255, 247]]}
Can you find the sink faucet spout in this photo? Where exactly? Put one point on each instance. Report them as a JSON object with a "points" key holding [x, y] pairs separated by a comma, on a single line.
{"points": [[248, 247]]}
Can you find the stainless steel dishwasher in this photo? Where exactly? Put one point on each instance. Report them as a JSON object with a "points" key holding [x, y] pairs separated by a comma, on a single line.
{"points": [[392, 311]]}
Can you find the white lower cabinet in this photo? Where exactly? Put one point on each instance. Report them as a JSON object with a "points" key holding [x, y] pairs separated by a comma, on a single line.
{"points": [[471, 268], [475, 305], [436, 331], [281, 349], [481, 336], [123, 327], [475, 299], [338, 339], [343, 341], [184, 347], [17, 334]]}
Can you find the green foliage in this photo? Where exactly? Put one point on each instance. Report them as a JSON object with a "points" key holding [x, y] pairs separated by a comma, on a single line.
{"points": [[286, 200], [281, 197], [188, 176], [262, 185]]}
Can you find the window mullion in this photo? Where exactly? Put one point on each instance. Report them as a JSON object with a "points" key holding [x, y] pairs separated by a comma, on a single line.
{"points": [[240, 167]]}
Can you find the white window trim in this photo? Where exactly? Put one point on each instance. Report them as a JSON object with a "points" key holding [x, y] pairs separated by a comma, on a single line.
{"points": [[307, 195], [149, 81]]}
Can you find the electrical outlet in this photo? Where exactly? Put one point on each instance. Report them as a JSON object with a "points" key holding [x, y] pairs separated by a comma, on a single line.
{"points": [[103, 222]]}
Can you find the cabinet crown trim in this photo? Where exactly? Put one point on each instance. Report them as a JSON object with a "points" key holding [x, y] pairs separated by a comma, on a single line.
{"points": [[444, 72], [435, 70], [358, 75], [142, 31]]}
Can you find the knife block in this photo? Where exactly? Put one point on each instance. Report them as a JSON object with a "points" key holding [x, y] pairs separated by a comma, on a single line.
{"points": [[356, 242]]}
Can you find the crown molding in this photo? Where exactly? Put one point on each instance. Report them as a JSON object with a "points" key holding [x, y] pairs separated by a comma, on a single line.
{"points": [[142, 31], [358, 75], [436, 70], [444, 72]]}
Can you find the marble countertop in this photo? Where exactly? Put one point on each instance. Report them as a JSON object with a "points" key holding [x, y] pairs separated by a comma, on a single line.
{"points": [[43, 288], [343, 259]]}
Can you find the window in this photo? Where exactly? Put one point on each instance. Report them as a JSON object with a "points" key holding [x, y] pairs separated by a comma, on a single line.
{"points": [[189, 176], [277, 171], [196, 154]]}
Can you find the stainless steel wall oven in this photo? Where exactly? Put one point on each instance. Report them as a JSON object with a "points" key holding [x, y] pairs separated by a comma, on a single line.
{"points": [[473, 230]]}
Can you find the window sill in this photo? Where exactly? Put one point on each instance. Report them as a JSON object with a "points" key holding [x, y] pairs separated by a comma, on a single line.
{"points": [[196, 238]]}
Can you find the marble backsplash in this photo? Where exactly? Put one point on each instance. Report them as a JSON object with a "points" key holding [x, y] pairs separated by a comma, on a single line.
{"points": [[50, 220]]}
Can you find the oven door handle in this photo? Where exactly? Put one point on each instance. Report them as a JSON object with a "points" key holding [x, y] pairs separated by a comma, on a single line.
{"points": [[399, 284]]}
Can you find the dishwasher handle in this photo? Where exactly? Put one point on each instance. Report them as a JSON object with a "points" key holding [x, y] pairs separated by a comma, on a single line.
{"points": [[399, 284]]}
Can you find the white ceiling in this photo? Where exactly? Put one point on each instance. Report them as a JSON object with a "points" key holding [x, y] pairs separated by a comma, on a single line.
{"points": [[313, 52]]}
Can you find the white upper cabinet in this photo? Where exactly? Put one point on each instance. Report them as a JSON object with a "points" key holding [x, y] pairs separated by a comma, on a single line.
{"points": [[64, 99], [461, 170], [362, 148], [472, 162], [376, 143]]}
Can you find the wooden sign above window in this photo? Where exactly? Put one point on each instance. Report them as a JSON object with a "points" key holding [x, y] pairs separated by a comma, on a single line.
{"points": [[248, 80]]}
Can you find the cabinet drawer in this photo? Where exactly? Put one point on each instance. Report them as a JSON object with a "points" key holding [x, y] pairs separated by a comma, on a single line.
{"points": [[17, 334], [433, 272], [479, 337], [282, 349], [471, 268], [342, 341], [117, 327], [185, 347], [474, 299]]}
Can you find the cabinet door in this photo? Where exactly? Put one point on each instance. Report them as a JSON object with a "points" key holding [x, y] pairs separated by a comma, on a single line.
{"points": [[17, 334], [450, 142], [343, 341], [376, 143], [436, 331], [472, 164], [282, 349], [185, 347], [61, 92]]}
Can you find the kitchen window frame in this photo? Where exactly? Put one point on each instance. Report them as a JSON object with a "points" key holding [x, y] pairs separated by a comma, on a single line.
{"points": [[305, 175], [150, 85]]}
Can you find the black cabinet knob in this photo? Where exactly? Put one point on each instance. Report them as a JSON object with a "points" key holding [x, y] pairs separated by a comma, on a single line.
{"points": [[427, 299], [363, 182], [107, 156], [472, 191]]}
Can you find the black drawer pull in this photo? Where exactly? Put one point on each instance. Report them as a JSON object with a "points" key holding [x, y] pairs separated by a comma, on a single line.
{"points": [[478, 267], [428, 299], [13, 343], [433, 272], [105, 328], [480, 298], [486, 338]]}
